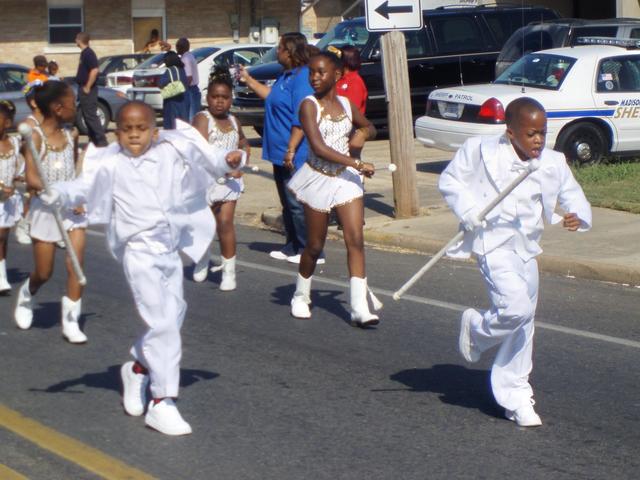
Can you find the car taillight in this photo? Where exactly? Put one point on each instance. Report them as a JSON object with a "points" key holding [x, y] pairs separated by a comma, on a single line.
{"points": [[123, 80], [147, 81], [491, 111]]}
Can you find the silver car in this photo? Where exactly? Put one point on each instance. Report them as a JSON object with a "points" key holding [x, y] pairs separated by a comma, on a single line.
{"points": [[13, 78]]}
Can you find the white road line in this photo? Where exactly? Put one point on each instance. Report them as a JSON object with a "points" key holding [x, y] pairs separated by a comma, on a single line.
{"points": [[448, 306], [432, 302]]}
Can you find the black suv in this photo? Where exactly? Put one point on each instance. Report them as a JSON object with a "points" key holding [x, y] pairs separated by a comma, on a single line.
{"points": [[562, 33], [457, 45]]}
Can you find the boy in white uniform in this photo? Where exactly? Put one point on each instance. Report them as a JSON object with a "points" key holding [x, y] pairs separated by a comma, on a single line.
{"points": [[149, 188], [506, 243]]}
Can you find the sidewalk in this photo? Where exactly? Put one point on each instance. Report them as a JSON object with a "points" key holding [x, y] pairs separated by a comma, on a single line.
{"points": [[609, 252]]}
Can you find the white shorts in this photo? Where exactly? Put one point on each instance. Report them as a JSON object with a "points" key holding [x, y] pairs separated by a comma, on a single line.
{"points": [[229, 191], [10, 211], [323, 192], [43, 223]]}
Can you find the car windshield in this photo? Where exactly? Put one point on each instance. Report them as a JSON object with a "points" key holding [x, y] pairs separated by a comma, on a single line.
{"points": [[203, 52], [345, 33], [270, 56], [103, 63], [153, 62], [537, 70]]}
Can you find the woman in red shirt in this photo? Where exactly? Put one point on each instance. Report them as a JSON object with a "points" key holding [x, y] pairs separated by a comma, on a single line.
{"points": [[351, 84]]}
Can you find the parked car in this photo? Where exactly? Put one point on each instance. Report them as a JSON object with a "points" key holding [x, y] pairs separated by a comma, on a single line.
{"points": [[145, 80], [118, 63], [13, 78], [591, 94], [123, 80], [562, 32], [457, 45]]}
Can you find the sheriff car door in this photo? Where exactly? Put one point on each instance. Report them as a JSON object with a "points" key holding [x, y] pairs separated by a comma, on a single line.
{"points": [[618, 89]]}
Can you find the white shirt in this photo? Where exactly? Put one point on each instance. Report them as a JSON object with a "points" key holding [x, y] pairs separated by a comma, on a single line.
{"points": [[191, 68]]}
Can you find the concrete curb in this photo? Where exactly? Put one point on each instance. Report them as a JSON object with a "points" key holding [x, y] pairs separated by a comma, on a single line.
{"points": [[547, 263]]}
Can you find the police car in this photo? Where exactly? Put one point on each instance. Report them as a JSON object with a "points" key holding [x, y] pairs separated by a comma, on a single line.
{"points": [[591, 94]]}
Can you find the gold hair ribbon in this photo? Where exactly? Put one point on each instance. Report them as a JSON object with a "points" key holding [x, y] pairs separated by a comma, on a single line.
{"points": [[335, 50]]}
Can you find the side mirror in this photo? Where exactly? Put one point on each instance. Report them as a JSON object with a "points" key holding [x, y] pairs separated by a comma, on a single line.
{"points": [[375, 54]]}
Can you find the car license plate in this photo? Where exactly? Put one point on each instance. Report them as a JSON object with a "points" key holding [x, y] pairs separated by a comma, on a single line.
{"points": [[450, 110]]}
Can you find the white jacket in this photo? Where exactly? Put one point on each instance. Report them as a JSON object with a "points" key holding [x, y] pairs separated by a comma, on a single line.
{"points": [[471, 181], [188, 166]]}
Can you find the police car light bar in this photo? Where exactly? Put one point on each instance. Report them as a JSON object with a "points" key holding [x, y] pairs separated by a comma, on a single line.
{"points": [[616, 42]]}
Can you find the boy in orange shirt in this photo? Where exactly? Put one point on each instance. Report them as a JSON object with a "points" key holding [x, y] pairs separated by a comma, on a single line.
{"points": [[39, 70]]}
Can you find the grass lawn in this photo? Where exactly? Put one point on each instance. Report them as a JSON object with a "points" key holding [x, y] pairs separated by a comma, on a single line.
{"points": [[615, 185]]}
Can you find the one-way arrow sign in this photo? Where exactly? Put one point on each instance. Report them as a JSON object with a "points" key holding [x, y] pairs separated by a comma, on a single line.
{"points": [[385, 9], [386, 15]]}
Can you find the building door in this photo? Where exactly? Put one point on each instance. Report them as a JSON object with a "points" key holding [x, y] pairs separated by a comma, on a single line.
{"points": [[142, 28]]}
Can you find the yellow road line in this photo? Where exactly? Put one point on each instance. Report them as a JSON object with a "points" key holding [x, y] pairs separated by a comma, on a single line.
{"points": [[7, 474], [68, 448]]}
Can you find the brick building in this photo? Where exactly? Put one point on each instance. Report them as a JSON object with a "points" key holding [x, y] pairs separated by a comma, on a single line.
{"points": [[30, 27]]}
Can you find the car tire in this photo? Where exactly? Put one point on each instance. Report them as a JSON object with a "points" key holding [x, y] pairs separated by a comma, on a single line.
{"points": [[583, 144], [103, 114], [259, 130]]}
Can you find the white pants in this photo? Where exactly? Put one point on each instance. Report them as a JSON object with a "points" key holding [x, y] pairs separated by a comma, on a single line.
{"points": [[156, 283], [512, 284]]}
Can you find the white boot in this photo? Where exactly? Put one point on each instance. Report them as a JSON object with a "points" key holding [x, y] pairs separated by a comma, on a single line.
{"points": [[201, 269], [23, 314], [22, 232], [301, 298], [70, 316], [360, 314], [5, 286], [228, 282]]}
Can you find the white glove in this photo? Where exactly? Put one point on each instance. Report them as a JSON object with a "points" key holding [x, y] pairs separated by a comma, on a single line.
{"points": [[51, 198], [471, 222]]}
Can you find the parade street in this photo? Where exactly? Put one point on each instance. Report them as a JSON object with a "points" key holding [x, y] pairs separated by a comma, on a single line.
{"points": [[273, 397]]}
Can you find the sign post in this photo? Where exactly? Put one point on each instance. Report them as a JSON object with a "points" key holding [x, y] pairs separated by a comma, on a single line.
{"points": [[393, 16]]}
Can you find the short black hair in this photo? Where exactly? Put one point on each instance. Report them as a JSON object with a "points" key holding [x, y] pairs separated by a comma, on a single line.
{"points": [[328, 55], [136, 103], [40, 61], [48, 93], [8, 109], [220, 76], [171, 59], [521, 105], [351, 58]]}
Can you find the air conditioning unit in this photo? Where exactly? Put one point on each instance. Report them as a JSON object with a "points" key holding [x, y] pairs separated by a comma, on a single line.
{"points": [[254, 34], [270, 30]]}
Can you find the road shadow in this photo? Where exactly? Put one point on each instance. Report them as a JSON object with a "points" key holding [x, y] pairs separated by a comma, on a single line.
{"points": [[110, 380], [432, 167], [48, 315], [371, 202], [455, 384], [266, 247]]}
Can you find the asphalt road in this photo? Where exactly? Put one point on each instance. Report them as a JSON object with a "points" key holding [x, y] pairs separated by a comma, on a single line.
{"points": [[272, 397]]}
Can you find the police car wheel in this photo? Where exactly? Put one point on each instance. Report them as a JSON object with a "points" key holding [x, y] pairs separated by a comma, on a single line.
{"points": [[583, 144]]}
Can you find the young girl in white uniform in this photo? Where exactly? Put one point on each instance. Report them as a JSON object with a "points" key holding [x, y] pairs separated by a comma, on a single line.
{"points": [[223, 130], [149, 190], [58, 153], [331, 179], [507, 242], [10, 200]]}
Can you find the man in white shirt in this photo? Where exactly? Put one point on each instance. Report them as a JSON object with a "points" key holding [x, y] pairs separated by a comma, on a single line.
{"points": [[149, 189], [506, 242], [191, 69]]}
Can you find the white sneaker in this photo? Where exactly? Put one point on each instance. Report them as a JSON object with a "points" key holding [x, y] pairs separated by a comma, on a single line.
{"points": [[5, 286], [467, 349], [23, 314], [134, 390], [61, 244], [201, 269], [278, 255], [165, 418], [296, 259], [22, 232], [524, 416]]}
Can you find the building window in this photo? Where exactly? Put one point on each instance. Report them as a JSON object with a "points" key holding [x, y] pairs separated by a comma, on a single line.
{"points": [[64, 24]]}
